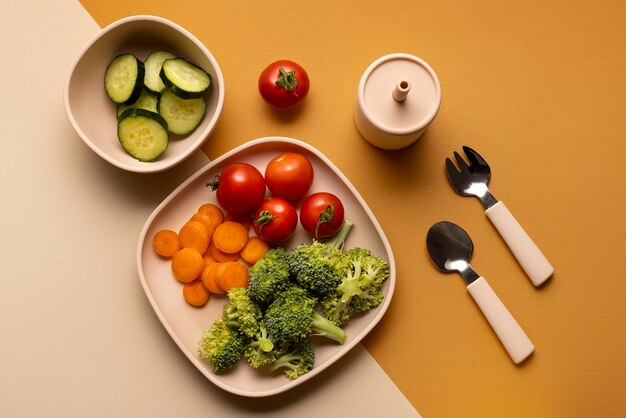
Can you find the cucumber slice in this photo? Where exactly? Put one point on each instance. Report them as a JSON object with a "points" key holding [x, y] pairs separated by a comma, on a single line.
{"points": [[152, 80], [146, 100], [143, 134], [182, 115], [184, 79], [123, 79]]}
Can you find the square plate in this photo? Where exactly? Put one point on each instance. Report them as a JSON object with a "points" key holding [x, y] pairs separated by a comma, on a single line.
{"points": [[186, 324]]}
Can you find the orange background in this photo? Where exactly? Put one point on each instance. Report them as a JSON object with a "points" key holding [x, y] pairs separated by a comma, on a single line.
{"points": [[539, 89]]}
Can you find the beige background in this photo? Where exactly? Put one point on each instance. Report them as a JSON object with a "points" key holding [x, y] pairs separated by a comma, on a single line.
{"points": [[539, 88]]}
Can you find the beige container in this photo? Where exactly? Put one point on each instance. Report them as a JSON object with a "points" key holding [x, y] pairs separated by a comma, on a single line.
{"points": [[399, 95]]}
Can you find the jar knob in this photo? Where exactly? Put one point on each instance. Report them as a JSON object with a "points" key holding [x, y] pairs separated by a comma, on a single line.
{"points": [[401, 91]]}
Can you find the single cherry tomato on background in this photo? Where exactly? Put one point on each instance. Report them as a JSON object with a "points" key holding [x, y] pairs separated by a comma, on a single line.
{"points": [[240, 187], [284, 84], [290, 176], [321, 214], [275, 220]]}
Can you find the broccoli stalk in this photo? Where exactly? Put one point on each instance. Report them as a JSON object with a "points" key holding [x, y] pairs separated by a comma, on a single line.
{"points": [[352, 284], [361, 288], [297, 361], [261, 350], [292, 317], [339, 239], [324, 327]]}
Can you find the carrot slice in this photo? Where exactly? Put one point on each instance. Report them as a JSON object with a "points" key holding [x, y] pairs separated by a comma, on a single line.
{"points": [[230, 237], [186, 264], [220, 255], [254, 250], [234, 274], [193, 234], [209, 277], [195, 293], [213, 211], [165, 242], [242, 218], [205, 220], [207, 258]]}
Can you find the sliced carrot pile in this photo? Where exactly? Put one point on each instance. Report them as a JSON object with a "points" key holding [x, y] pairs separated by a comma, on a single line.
{"points": [[165, 243], [230, 237], [187, 264], [195, 293], [211, 252], [254, 250]]}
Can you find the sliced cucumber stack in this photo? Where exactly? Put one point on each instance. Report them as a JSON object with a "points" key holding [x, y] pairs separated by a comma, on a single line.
{"points": [[143, 134], [163, 95], [182, 115], [123, 79], [153, 65], [146, 100], [184, 79]]}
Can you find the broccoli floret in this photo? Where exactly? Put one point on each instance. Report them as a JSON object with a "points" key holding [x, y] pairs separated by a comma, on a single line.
{"points": [[269, 276], [320, 266], [360, 290], [222, 345], [242, 312], [292, 317], [297, 360], [261, 350]]}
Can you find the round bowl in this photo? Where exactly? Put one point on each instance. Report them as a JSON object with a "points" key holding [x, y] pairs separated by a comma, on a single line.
{"points": [[92, 113]]}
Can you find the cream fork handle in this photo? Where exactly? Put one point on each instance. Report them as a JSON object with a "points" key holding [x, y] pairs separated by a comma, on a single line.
{"points": [[512, 336], [532, 260]]}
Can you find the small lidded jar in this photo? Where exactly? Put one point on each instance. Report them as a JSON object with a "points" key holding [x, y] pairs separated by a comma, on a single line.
{"points": [[399, 95]]}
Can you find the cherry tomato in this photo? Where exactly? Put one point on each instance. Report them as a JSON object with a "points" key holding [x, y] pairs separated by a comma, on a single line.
{"points": [[240, 187], [289, 176], [275, 220], [321, 214], [283, 84]]}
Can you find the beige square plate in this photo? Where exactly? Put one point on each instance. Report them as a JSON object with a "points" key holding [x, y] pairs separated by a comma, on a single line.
{"points": [[185, 324]]}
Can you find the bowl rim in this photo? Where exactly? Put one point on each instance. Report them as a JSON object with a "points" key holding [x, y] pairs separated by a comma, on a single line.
{"points": [[157, 166]]}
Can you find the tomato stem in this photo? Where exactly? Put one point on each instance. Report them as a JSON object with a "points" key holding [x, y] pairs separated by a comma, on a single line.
{"points": [[287, 80], [325, 217], [265, 217], [214, 183]]}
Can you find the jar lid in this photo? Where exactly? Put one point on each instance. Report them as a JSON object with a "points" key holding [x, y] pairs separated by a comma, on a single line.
{"points": [[400, 94]]}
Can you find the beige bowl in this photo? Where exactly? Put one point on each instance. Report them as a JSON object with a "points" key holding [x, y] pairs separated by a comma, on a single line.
{"points": [[92, 113]]}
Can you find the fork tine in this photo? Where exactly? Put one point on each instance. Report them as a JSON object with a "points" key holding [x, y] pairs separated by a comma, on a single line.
{"points": [[474, 157], [462, 163], [453, 172]]}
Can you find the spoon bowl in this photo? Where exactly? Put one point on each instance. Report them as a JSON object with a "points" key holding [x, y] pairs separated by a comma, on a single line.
{"points": [[450, 249]]}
